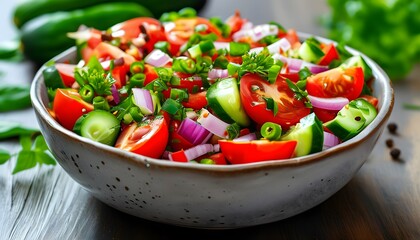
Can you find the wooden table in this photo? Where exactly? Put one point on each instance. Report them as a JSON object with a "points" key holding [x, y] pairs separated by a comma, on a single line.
{"points": [[381, 202]]}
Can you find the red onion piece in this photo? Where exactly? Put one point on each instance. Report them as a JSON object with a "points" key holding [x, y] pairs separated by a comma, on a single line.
{"points": [[257, 33], [157, 58], [193, 132], [213, 124], [222, 45], [282, 44], [330, 140], [143, 100], [296, 64], [246, 138], [115, 94], [195, 152], [336, 103], [218, 73]]}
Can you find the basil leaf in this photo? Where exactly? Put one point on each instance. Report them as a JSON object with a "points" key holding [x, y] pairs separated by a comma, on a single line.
{"points": [[25, 160], [44, 158], [13, 129], [40, 145], [4, 156], [14, 98]]}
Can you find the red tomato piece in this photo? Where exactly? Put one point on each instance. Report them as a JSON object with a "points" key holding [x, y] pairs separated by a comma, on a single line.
{"points": [[235, 22], [106, 50], [151, 28], [179, 31], [254, 89], [337, 82], [148, 138], [66, 72], [176, 141], [331, 54], [325, 115], [371, 99], [68, 106], [196, 101], [119, 73], [257, 150]]}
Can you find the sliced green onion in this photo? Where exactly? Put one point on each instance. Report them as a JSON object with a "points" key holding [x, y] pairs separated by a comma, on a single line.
{"points": [[273, 72], [238, 49], [137, 80], [183, 65], [271, 131], [271, 105], [163, 46], [171, 106], [100, 103], [179, 94], [136, 114], [87, 93], [137, 67], [207, 161]]}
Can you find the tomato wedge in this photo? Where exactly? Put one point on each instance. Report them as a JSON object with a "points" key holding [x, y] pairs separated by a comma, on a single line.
{"points": [[257, 150], [68, 106], [196, 101], [330, 52], [254, 89], [179, 31], [176, 141], [106, 50], [337, 82], [66, 72], [148, 138]]}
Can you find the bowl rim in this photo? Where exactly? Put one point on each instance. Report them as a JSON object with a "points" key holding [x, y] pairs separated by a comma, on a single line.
{"points": [[384, 112]]}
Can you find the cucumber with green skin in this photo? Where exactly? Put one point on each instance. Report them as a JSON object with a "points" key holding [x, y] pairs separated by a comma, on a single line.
{"points": [[46, 36], [29, 9]]}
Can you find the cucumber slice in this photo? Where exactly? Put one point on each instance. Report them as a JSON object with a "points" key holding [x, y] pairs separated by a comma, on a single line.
{"points": [[310, 52], [223, 97], [352, 119], [52, 78], [358, 61], [100, 126], [309, 135]]}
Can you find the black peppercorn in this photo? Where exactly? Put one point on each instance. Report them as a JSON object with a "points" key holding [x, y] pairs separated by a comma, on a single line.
{"points": [[395, 153], [392, 127], [389, 143]]}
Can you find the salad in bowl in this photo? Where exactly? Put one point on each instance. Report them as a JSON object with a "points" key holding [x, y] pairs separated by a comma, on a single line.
{"points": [[190, 89], [207, 123]]}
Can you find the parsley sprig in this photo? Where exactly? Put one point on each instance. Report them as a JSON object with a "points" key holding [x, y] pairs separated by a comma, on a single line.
{"points": [[260, 63], [34, 149], [100, 81]]}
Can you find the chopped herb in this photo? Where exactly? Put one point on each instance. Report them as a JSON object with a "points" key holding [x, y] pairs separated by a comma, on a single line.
{"points": [[262, 63], [299, 94], [233, 130], [271, 105]]}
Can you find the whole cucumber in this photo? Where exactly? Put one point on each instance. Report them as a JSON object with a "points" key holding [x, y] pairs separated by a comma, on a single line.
{"points": [[46, 36], [29, 9]]}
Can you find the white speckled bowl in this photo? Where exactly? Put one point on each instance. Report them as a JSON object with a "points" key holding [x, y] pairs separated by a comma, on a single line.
{"points": [[209, 196]]}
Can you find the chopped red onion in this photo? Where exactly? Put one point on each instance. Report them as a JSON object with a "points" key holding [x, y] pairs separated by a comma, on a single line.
{"points": [[218, 73], [157, 58], [213, 124], [246, 138], [256, 50], [256, 33], [335, 104], [296, 64], [330, 140], [282, 44], [195, 152], [115, 94], [193, 132], [191, 114], [143, 100], [222, 45]]}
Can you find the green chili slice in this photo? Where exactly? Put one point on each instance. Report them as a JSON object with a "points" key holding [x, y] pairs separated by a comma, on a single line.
{"points": [[87, 93], [101, 103], [271, 131]]}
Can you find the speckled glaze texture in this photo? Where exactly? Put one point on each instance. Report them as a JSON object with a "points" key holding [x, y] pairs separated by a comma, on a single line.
{"points": [[206, 196]]}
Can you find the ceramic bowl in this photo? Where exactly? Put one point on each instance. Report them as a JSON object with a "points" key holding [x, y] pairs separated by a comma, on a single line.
{"points": [[209, 196]]}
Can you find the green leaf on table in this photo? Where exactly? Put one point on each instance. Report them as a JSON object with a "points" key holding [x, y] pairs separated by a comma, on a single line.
{"points": [[45, 158], [14, 129], [40, 145], [25, 160], [4, 156], [14, 97], [26, 142]]}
